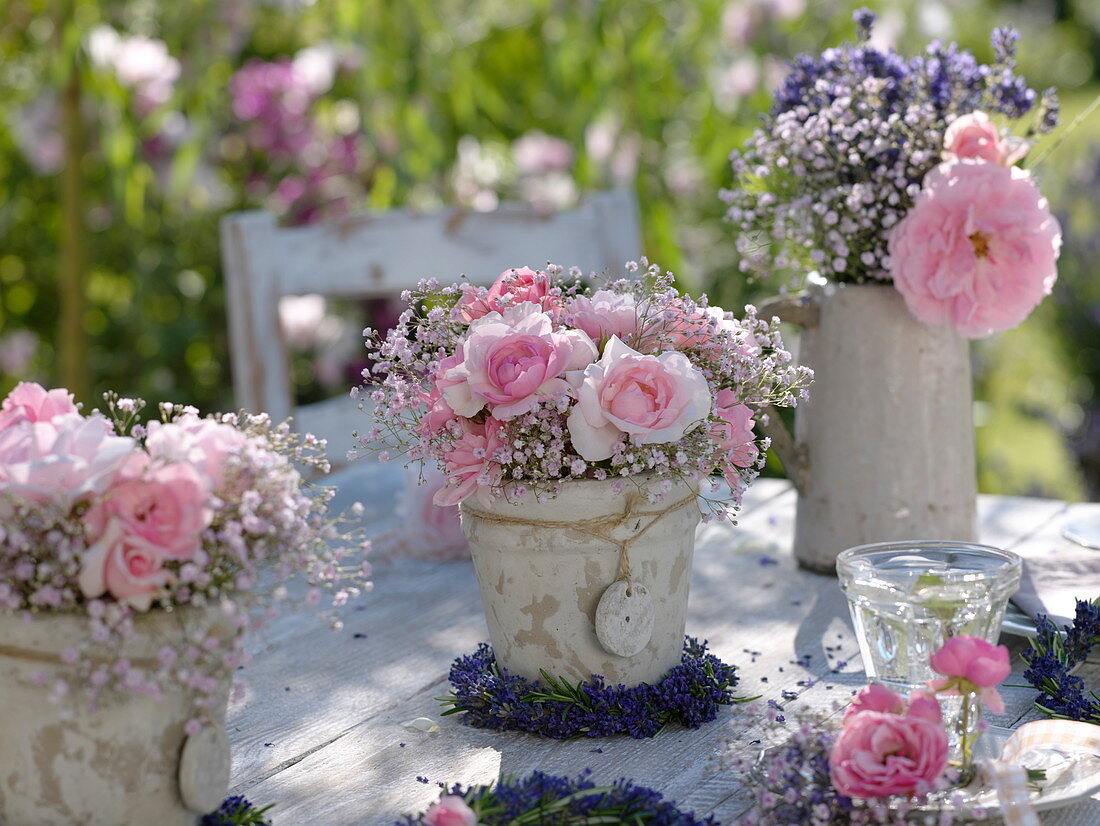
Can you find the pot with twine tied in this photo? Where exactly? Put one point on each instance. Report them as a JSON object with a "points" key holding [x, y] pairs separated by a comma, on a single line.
{"points": [[592, 581]]}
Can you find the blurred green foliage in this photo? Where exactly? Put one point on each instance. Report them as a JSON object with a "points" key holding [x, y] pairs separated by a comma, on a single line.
{"points": [[434, 97]]}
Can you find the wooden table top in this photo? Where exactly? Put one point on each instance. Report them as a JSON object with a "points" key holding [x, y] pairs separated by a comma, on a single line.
{"points": [[319, 729]]}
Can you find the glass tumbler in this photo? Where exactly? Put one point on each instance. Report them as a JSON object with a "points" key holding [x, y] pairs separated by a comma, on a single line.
{"points": [[906, 598]]}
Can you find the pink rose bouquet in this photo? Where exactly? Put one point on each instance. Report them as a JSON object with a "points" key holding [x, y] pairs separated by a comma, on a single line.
{"points": [[873, 167], [108, 519], [541, 379]]}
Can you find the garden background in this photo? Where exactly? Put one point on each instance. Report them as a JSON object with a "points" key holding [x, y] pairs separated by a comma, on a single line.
{"points": [[128, 128]]}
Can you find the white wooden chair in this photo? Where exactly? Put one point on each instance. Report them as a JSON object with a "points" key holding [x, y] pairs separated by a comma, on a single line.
{"points": [[376, 255]]}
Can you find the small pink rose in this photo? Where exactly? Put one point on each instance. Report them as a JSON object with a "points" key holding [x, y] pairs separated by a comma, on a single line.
{"points": [[653, 399], [470, 466], [451, 810], [511, 361], [875, 697], [604, 314], [971, 665], [879, 754], [30, 402], [923, 704], [166, 506], [124, 566], [513, 287], [974, 136], [205, 443], [978, 249], [733, 432]]}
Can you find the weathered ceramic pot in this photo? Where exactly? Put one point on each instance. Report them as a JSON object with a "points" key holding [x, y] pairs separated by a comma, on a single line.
{"points": [[128, 762], [883, 448], [543, 570]]}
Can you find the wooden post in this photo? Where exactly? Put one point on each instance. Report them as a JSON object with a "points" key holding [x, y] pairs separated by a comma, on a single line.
{"points": [[72, 344]]}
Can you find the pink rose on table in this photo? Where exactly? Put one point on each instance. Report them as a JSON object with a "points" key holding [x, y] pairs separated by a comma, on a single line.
{"points": [[653, 399], [604, 314], [428, 530], [879, 753], [30, 402], [451, 810], [513, 287], [125, 566], [978, 249], [469, 466], [205, 443], [165, 506], [875, 697], [971, 665], [65, 460], [976, 136], [513, 360]]}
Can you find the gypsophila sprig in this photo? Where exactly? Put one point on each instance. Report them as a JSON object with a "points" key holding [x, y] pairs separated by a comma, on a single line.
{"points": [[1052, 657], [541, 378], [689, 695], [841, 157], [541, 798], [187, 524]]}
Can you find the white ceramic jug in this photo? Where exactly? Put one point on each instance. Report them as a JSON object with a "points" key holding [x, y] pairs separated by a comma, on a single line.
{"points": [[883, 449]]}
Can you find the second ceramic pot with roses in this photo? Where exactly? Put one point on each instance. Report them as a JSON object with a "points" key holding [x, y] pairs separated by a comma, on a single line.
{"points": [[596, 570]]}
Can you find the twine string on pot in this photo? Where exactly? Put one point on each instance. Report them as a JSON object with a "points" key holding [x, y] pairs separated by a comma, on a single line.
{"points": [[600, 527]]}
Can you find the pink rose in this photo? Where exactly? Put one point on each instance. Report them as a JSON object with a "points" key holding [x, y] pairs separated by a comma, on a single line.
{"points": [[204, 443], [604, 314], [978, 248], [30, 402], [971, 665], [513, 287], [875, 697], [879, 754], [165, 506], [975, 136], [428, 530], [511, 361], [470, 466], [125, 566], [923, 704], [451, 810], [65, 460], [654, 399], [733, 431]]}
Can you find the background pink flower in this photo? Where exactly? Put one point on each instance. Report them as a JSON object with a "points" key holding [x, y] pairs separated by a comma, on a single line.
{"points": [[204, 443], [30, 402], [654, 399], [971, 665], [879, 754], [973, 136], [978, 249], [428, 530]]}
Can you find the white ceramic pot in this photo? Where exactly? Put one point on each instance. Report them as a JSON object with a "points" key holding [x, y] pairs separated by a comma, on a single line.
{"points": [[127, 763], [883, 448], [543, 568]]}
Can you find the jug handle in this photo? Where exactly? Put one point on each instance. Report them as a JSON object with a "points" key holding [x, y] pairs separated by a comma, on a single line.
{"points": [[802, 310]]}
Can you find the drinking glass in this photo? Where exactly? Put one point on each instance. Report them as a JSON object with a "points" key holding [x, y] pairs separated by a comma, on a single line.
{"points": [[907, 598]]}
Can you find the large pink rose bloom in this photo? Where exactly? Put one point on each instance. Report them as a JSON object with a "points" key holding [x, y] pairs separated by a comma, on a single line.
{"points": [[976, 136], [451, 810], [469, 466], [604, 314], [30, 402], [654, 399], [978, 249], [125, 566], [166, 506], [512, 360], [64, 461], [879, 754], [513, 287], [206, 444], [971, 665]]}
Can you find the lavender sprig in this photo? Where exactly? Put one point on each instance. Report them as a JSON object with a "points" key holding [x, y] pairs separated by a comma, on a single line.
{"points": [[237, 811], [1053, 656], [690, 695]]}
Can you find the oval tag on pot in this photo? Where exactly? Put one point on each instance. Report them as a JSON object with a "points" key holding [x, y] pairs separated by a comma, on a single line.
{"points": [[204, 769], [624, 618]]}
